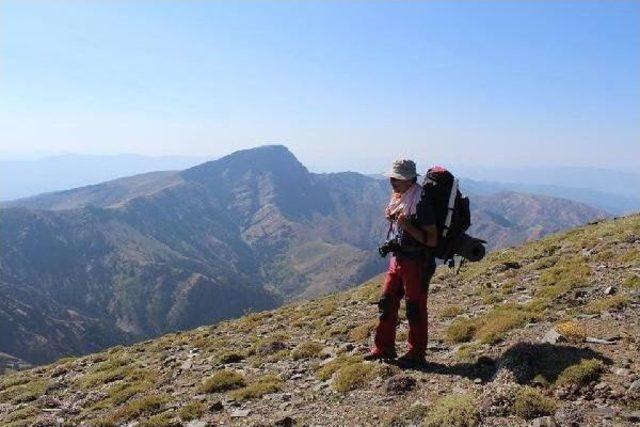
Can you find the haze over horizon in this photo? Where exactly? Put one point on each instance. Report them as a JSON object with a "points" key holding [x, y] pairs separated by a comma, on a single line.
{"points": [[340, 84]]}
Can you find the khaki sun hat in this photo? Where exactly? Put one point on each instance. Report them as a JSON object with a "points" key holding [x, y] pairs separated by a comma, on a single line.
{"points": [[402, 169]]}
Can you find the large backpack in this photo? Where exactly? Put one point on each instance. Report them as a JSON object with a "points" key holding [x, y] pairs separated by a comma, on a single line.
{"points": [[452, 215]]}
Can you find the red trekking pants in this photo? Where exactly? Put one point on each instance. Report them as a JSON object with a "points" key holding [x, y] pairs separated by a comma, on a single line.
{"points": [[408, 277]]}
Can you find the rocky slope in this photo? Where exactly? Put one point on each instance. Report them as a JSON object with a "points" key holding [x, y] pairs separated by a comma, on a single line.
{"points": [[547, 332], [140, 256]]}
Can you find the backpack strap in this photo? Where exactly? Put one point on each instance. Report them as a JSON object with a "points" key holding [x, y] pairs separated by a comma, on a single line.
{"points": [[452, 202]]}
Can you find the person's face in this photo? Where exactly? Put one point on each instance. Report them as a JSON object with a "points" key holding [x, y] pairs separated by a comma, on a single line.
{"points": [[400, 185]]}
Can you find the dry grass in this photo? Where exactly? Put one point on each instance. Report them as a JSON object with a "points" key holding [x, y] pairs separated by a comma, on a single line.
{"points": [[264, 385], [572, 330], [531, 403], [353, 376], [606, 304], [580, 374], [565, 275], [222, 381], [307, 350], [453, 411]]}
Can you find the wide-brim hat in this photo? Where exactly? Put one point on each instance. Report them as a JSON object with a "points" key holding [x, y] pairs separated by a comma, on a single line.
{"points": [[402, 169]]}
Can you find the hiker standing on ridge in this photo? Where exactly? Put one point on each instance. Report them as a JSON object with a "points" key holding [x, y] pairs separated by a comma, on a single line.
{"points": [[410, 267]]}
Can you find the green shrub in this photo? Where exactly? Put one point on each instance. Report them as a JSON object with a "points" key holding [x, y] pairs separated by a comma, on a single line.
{"points": [[606, 303], [531, 403], [264, 385], [500, 320], [144, 406], [461, 330], [632, 282], [563, 276], [306, 350], [451, 310], [453, 411], [191, 411], [362, 332], [230, 357], [326, 371], [353, 376], [581, 374], [222, 381]]}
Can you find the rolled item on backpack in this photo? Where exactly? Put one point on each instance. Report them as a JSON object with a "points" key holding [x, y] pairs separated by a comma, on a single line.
{"points": [[470, 248]]}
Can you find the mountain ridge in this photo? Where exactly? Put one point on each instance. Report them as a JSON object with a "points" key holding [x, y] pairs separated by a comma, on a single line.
{"points": [[169, 251]]}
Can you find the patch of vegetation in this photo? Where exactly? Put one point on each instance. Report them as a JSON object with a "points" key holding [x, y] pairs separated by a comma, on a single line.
{"points": [[307, 350], [461, 330], [632, 282], [500, 320], [491, 326], [531, 403], [264, 385], [24, 391], [466, 352], [20, 415], [580, 374], [450, 311], [572, 330], [143, 406], [410, 416], [453, 411], [606, 303], [326, 371], [565, 275], [191, 411], [165, 419], [270, 345], [231, 357], [353, 376], [363, 332], [222, 380]]}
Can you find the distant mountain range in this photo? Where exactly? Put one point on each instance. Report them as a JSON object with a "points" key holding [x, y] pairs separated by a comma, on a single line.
{"points": [[85, 268], [617, 192]]}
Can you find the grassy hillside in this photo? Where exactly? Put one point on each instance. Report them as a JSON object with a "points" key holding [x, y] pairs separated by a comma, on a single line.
{"points": [[301, 364]]}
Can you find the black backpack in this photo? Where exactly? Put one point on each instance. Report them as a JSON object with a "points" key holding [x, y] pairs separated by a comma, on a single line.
{"points": [[452, 215]]}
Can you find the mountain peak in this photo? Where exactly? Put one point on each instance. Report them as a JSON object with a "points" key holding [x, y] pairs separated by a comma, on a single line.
{"points": [[271, 158]]}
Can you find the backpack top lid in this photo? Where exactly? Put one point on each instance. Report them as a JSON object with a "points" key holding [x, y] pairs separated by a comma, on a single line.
{"points": [[438, 175]]}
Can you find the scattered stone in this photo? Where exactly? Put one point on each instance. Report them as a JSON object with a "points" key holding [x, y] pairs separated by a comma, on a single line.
{"points": [[634, 387], [601, 386], [610, 290], [594, 340], [553, 337], [196, 423], [400, 384], [547, 421], [605, 412], [240, 413]]}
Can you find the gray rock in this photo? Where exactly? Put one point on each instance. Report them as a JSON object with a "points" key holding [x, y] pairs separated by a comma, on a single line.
{"points": [[610, 290], [622, 372], [196, 423], [634, 387], [553, 337], [240, 413], [544, 422]]}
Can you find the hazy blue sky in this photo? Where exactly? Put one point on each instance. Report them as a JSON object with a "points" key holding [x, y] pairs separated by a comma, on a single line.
{"points": [[345, 85]]}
